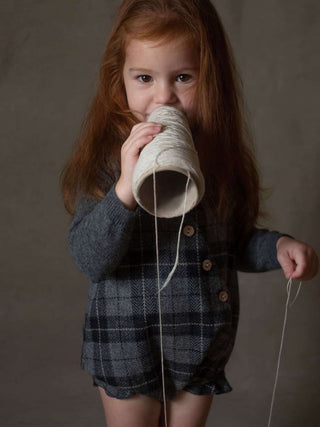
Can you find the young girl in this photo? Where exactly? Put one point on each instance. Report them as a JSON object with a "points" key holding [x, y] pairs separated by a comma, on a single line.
{"points": [[167, 53]]}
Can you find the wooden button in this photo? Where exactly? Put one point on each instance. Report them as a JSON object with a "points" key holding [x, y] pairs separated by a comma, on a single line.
{"points": [[188, 230], [207, 265], [223, 296]]}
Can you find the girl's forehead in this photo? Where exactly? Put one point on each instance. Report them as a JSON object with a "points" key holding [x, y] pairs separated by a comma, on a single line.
{"points": [[178, 46]]}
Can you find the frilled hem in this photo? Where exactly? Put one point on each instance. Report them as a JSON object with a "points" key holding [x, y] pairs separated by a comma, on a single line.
{"points": [[219, 386]]}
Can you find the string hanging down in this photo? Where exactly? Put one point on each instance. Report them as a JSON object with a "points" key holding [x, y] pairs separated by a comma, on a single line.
{"points": [[169, 159], [168, 278], [289, 285], [166, 162]]}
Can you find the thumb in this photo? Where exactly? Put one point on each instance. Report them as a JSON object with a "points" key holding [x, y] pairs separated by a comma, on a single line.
{"points": [[287, 264]]}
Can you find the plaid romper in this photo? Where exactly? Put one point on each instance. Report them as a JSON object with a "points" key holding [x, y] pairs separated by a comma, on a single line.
{"points": [[115, 249]]}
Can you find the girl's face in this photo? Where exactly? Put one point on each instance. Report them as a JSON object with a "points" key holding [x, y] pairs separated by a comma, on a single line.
{"points": [[161, 74]]}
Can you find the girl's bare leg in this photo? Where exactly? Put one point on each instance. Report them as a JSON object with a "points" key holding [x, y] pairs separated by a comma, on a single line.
{"points": [[187, 410], [136, 411]]}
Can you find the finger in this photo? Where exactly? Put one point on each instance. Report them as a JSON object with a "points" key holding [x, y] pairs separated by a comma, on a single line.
{"points": [[311, 270], [142, 137], [144, 127], [308, 266], [297, 275], [301, 271], [143, 141], [134, 149], [287, 265], [142, 132], [303, 266]]}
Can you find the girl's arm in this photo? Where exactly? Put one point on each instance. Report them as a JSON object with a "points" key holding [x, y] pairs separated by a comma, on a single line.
{"points": [[260, 253], [100, 234], [269, 250]]}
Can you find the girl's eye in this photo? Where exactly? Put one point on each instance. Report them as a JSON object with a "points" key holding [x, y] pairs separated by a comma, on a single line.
{"points": [[183, 78], [144, 78]]}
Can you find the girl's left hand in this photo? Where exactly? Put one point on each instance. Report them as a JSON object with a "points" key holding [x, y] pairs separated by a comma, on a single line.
{"points": [[297, 259]]}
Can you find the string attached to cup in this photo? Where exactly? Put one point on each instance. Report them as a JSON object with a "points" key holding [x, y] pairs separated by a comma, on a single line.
{"points": [[167, 182], [168, 278], [159, 186], [169, 159]]}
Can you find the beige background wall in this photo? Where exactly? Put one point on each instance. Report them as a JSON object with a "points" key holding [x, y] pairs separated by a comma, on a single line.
{"points": [[49, 56]]}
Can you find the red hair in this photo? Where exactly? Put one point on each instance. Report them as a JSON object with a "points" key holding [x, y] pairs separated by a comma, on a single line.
{"points": [[225, 147]]}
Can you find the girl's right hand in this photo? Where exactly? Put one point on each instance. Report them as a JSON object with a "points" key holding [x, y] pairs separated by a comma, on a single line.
{"points": [[141, 134]]}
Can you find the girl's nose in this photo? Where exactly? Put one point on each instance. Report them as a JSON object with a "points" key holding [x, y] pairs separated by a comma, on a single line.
{"points": [[164, 95]]}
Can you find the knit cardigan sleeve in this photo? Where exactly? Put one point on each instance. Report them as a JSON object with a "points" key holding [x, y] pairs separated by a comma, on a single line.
{"points": [[260, 252], [99, 234]]}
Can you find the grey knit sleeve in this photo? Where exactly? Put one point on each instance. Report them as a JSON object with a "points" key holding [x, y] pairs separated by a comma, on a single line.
{"points": [[99, 234], [260, 253]]}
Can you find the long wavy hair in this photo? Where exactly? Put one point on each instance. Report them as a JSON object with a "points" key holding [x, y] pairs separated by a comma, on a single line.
{"points": [[225, 148]]}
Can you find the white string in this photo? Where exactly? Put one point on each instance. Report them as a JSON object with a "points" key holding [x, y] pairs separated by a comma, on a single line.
{"points": [[169, 276], [159, 299], [165, 146], [289, 285], [176, 137], [179, 235]]}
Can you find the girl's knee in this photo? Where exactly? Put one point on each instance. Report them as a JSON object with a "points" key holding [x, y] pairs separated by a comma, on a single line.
{"points": [[188, 410], [136, 411]]}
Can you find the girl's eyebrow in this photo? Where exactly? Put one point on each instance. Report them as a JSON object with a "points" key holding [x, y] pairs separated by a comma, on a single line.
{"points": [[140, 70], [147, 71]]}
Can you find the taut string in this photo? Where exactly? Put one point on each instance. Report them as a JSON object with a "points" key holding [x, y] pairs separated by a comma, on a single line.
{"points": [[289, 285]]}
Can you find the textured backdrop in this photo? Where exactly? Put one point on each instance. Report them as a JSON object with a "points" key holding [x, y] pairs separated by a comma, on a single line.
{"points": [[49, 57]]}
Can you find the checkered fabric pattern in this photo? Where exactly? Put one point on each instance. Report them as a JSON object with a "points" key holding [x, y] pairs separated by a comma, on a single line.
{"points": [[115, 248]]}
